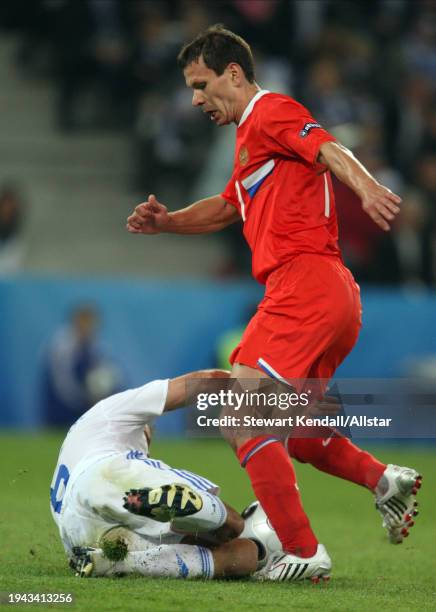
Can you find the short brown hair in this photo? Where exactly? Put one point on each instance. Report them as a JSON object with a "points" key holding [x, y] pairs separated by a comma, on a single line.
{"points": [[218, 47]]}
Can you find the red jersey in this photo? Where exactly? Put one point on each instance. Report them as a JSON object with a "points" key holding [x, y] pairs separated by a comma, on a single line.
{"points": [[282, 193]]}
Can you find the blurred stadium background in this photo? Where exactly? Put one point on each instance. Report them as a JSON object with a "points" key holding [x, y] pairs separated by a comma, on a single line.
{"points": [[95, 116]]}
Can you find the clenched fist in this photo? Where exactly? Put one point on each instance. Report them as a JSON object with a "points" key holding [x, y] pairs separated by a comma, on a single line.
{"points": [[150, 217]]}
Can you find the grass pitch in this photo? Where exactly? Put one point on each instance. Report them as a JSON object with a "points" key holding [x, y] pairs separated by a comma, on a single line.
{"points": [[368, 572]]}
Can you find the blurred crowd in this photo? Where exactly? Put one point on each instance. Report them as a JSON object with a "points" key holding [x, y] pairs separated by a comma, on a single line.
{"points": [[366, 70], [77, 369]]}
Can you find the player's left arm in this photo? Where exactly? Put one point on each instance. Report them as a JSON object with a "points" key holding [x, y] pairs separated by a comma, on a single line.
{"points": [[184, 388], [379, 202]]}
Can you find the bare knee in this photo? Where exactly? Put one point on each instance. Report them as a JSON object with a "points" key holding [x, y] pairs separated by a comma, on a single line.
{"points": [[132, 540]]}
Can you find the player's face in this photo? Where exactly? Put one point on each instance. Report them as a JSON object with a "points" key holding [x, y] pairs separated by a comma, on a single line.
{"points": [[214, 94]]}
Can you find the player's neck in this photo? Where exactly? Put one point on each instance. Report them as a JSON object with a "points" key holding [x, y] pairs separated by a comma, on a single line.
{"points": [[246, 96]]}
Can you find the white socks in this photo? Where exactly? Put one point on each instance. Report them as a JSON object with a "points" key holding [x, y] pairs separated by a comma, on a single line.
{"points": [[164, 561], [212, 516]]}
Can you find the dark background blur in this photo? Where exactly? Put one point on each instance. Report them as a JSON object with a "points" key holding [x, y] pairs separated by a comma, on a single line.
{"points": [[95, 116], [107, 72]]}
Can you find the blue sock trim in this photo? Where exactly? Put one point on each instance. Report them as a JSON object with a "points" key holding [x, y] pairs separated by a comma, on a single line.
{"points": [[257, 448], [206, 561]]}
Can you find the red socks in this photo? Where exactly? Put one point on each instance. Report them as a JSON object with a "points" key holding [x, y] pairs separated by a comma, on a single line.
{"points": [[337, 456], [274, 484], [273, 480]]}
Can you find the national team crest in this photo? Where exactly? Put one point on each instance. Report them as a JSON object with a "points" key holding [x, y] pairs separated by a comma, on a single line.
{"points": [[243, 156]]}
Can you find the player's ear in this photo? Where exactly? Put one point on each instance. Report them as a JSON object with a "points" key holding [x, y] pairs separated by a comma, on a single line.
{"points": [[235, 73]]}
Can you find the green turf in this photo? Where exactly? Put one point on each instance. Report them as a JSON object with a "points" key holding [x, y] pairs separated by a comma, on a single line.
{"points": [[369, 573]]}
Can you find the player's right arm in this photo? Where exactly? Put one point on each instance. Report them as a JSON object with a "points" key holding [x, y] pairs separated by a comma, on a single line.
{"points": [[377, 201], [205, 216], [183, 389]]}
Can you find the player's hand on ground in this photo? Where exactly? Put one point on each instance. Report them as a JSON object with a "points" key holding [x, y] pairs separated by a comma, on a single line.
{"points": [[381, 204], [149, 217]]}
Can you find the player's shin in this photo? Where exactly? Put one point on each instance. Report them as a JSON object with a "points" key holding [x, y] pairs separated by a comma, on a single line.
{"points": [[273, 480], [176, 561], [337, 455], [165, 561]]}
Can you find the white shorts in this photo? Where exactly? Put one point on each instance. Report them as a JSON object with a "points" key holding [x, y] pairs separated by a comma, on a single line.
{"points": [[93, 502]]}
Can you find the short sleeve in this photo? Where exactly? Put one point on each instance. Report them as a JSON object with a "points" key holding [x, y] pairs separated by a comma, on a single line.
{"points": [[289, 128], [141, 405], [229, 194]]}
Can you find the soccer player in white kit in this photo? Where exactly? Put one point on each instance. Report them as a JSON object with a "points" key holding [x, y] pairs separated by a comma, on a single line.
{"points": [[104, 457]]}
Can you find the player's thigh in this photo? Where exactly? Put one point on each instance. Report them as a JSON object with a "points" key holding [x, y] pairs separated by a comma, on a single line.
{"points": [[80, 522], [328, 362], [271, 346], [336, 317], [343, 343], [302, 312], [284, 340], [150, 473], [105, 485]]}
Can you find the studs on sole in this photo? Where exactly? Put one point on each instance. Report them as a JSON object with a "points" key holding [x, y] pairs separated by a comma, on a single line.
{"points": [[317, 579]]}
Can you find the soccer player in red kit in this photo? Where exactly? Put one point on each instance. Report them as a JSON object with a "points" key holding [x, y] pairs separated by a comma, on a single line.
{"points": [[309, 318]]}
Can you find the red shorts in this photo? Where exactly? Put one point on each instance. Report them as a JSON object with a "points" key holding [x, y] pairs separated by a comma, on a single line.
{"points": [[307, 322]]}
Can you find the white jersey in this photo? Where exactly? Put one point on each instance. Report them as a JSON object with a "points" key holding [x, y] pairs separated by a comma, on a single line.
{"points": [[114, 425], [105, 454]]}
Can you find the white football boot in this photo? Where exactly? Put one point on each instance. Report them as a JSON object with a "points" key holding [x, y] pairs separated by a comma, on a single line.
{"points": [[395, 500], [283, 566]]}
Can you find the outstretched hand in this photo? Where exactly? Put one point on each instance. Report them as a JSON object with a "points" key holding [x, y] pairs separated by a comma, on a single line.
{"points": [[381, 204], [149, 217]]}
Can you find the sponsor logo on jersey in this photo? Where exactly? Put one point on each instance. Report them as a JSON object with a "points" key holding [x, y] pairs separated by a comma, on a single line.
{"points": [[243, 156], [304, 132]]}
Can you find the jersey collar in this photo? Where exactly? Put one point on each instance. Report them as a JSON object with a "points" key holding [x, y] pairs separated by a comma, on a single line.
{"points": [[251, 104]]}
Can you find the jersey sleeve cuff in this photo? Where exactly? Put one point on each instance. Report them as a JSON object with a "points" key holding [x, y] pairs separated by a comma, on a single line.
{"points": [[326, 137], [229, 200]]}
